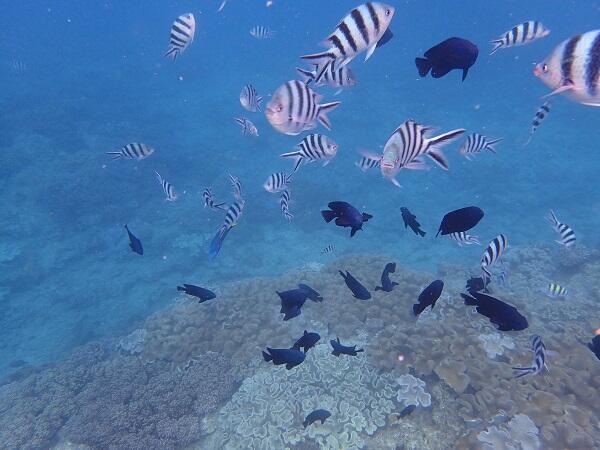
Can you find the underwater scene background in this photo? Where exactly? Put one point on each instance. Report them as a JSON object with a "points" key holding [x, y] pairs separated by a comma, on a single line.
{"points": [[98, 349]]}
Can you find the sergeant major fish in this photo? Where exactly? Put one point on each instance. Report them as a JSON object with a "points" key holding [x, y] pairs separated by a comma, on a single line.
{"points": [[250, 99], [567, 235], [232, 216], [167, 188], [182, 35], [284, 204], [260, 32], [492, 253], [314, 147], [521, 34], [277, 182], [135, 151], [539, 359], [366, 162], [463, 238], [248, 128], [540, 115], [340, 77], [209, 200], [476, 143], [555, 290]]}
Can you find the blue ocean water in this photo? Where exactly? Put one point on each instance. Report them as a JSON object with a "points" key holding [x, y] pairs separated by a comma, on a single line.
{"points": [[92, 77]]}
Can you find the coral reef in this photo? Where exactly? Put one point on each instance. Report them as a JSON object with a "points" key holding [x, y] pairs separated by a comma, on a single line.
{"points": [[520, 433], [133, 343], [412, 391], [495, 343]]}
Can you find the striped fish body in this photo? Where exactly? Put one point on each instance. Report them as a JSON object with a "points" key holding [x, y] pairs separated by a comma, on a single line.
{"points": [[233, 214], [573, 68], [168, 189], [248, 128], [237, 186], [132, 151], [359, 31], [462, 238], [328, 249], [539, 359], [294, 108], [567, 235], [476, 143], [277, 182], [340, 77], [492, 253], [284, 203], [250, 99], [539, 117], [209, 201], [260, 32], [555, 290], [314, 147], [182, 35], [366, 162], [407, 146], [521, 34]]}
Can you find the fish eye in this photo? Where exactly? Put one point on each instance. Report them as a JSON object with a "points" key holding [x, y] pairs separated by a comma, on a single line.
{"points": [[545, 68], [279, 108], [388, 12]]}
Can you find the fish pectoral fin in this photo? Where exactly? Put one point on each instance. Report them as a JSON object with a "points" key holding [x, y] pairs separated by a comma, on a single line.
{"points": [[567, 85], [465, 72], [370, 51], [592, 104]]}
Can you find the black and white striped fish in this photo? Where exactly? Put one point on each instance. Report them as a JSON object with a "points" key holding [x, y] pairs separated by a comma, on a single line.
{"points": [[365, 163], [284, 203], [250, 99], [209, 200], [135, 151], [555, 290], [492, 253], [521, 34], [567, 235], [277, 182], [294, 107], [232, 216], [167, 188], [260, 32], [540, 115], [328, 249], [573, 68], [539, 359], [237, 186], [461, 237], [340, 77], [362, 29], [248, 128], [476, 143], [314, 147], [182, 35]]}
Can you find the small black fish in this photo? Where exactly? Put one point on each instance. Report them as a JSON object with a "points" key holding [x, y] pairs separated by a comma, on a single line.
{"points": [[317, 414], [311, 294], [594, 346], [453, 53], [197, 291], [410, 220], [386, 284], [476, 284], [345, 215], [428, 297], [307, 341], [293, 300], [339, 349], [134, 243], [460, 220], [288, 356], [505, 316], [358, 290], [406, 411]]}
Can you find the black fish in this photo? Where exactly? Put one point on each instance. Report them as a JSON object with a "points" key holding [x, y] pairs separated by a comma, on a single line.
{"points": [[307, 341], [505, 316], [406, 411], [386, 284], [358, 290], [288, 356], [311, 294], [292, 300], [197, 291], [594, 346], [476, 284], [317, 414], [134, 243], [339, 349], [428, 297], [453, 53], [345, 215], [460, 220], [410, 220]]}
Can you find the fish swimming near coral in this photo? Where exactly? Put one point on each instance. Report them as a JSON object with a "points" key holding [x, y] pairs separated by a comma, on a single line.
{"points": [[277, 182], [453, 53], [167, 187], [232, 216], [410, 220], [462, 238], [492, 253], [317, 415], [506, 317], [293, 300], [476, 284], [387, 285], [555, 290], [460, 220], [428, 297], [314, 147], [567, 235], [339, 349], [134, 243], [358, 290], [284, 204], [307, 341], [521, 34], [199, 292], [345, 215], [209, 201], [539, 359], [288, 356]]}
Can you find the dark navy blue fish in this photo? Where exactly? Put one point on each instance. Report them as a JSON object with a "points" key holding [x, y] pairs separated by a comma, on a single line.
{"points": [[594, 346], [505, 316], [476, 284], [406, 411], [428, 297], [410, 220], [358, 290], [293, 300], [197, 291], [288, 356], [460, 220], [134, 243], [339, 349], [311, 294], [453, 53], [345, 215], [317, 414], [386, 284], [307, 341]]}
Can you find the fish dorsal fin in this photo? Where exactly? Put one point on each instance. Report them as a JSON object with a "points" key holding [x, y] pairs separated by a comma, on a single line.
{"points": [[305, 332]]}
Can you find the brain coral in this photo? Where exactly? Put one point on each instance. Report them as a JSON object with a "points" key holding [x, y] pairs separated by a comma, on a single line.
{"points": [[412, 391]]}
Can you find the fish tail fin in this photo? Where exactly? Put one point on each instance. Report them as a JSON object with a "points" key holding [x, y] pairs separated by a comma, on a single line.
{"points": [[259, 101], [378, 288], [215, 244], [551, 217], [115, 155], [172, 53], [498, 44], [366, 217], [308, 75], [469, 300], [490, 145], [435, 143], [181, 288], [424, 66], [421, 233], [353, 231], [266, 356], [418, 309], [522, 371], [319, 58], [323, 110], [359, 350], [328, 215]]}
